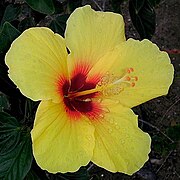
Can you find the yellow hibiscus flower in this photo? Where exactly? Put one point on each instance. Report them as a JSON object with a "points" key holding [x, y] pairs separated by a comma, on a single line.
{"points": [[86, 95]]}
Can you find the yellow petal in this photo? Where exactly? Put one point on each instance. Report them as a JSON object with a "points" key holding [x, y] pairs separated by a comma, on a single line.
{"points": [[36, 59], [61, 144], [90, 34], [120, 146], [151, 66]]}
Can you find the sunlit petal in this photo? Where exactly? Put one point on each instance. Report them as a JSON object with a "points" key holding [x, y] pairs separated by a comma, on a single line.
{"points": [[144, 72], [120, 146], [36, 59], [61, 144], [90, 34]]}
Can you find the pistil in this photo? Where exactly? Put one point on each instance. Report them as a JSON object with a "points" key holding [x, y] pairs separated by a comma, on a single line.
{"points": [[109, 85]]}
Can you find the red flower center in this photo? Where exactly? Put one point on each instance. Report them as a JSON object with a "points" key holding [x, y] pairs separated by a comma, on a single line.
{"points": [[81, 94], [84, 104]]}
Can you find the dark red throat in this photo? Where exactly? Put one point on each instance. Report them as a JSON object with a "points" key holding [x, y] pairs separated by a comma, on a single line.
{"points": [[81, 105]]}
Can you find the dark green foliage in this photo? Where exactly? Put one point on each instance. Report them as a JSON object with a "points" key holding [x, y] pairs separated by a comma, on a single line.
{"points": [[174, 132], [143, 17], [4, 103], [116, 5], [7, 35], [58, 24], [26, 23], [32, 176], [73, 4], [42, 6], [154, 2], [162, 144], [15, 149], [11, 13]]}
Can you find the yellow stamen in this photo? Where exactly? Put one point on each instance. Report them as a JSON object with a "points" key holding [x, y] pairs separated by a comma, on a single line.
{"points": [[86, 92], [109, 85]]}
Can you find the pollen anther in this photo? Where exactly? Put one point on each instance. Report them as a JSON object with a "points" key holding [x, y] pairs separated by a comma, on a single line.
{"points": [[135, 78], [133, 84], [109, 84], [128, 78], [129, 70], [114, 84]]}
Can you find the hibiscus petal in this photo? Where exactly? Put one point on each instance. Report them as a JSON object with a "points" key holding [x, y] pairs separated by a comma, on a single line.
{"points": [[90, 34], [120, 146], [61, 144], [151, 67], [36, 59]]}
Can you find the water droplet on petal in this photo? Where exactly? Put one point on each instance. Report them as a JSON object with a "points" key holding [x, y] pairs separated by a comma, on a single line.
{"points": [[116, 152], [89, 138], [110, 130], [111, 121], [122, 142]]}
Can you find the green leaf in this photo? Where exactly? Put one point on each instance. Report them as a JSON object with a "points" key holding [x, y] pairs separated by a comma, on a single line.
{"points": [[9, 133], [162, 145], [59, 7], [11, 13], [2, 8], [95, 177], [42, 6], [7, 35], [73, 4], [174, 132], [15, 149], [4, 103], [58, 24], [6, 85], [32, 176], [26, 23], [138, 5], [116, 5], [143, 17], [154, 2]]}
